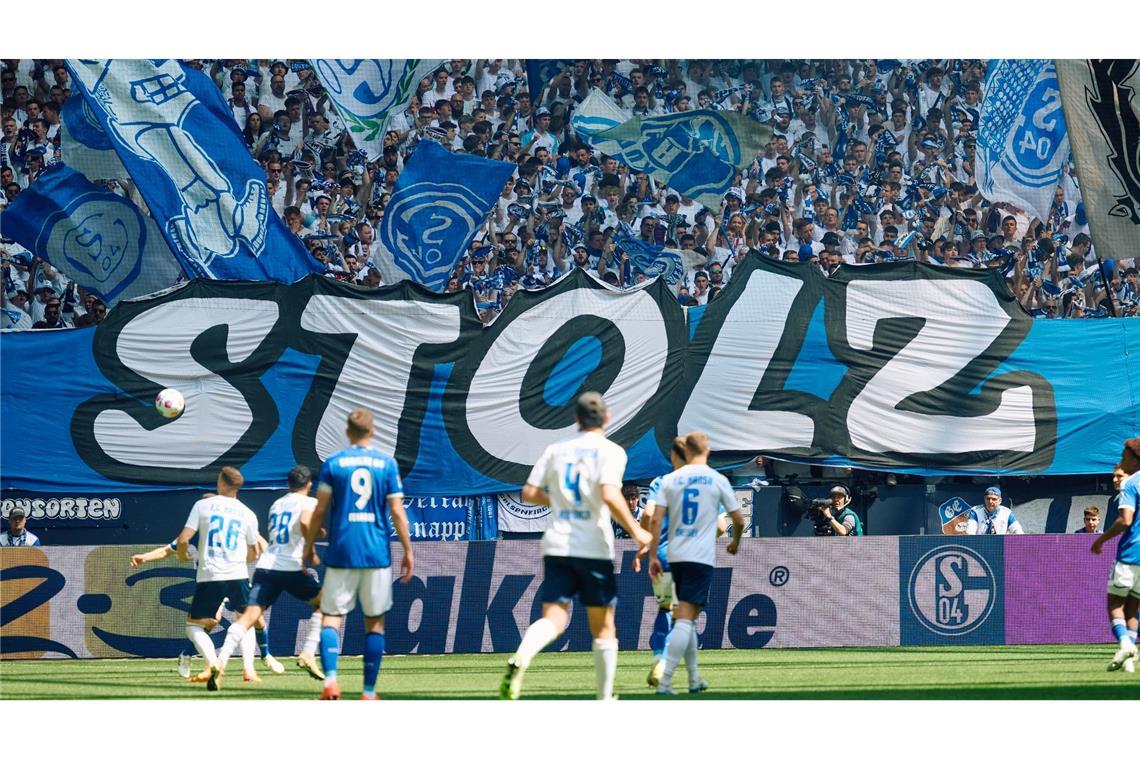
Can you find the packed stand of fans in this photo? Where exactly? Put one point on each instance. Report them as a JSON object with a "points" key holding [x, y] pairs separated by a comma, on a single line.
{"points": [[869, 161]]}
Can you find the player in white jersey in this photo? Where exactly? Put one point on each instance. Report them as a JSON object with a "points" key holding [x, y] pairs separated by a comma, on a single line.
{"points": [[280, 568], [248, 643], [693, 496], [992, 518], [227, 541], [580, 479]]}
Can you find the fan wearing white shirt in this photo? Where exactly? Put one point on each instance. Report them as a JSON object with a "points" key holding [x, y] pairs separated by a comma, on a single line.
{"points": [[992, 518], [693, 496]]}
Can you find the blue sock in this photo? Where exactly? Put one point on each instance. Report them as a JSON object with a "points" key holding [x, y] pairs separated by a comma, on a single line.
{"points": [[1119, 629], [661, 625], [373, 652], [262, 641], [330, 650]]}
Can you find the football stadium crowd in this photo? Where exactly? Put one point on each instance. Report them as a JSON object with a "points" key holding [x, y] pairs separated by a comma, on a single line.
{"points": [[869, 161]]}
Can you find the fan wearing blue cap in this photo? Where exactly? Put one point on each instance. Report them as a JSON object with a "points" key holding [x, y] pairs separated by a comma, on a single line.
{"points": [[992, 518]]}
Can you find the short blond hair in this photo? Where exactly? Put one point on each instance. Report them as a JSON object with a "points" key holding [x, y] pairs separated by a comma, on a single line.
{"points": [[359, 424], [696, 443]]}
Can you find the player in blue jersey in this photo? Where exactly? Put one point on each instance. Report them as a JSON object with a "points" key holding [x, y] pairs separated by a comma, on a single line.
{"points": [[281, 569], [693, 496], [1124, 582], [359, 490]]}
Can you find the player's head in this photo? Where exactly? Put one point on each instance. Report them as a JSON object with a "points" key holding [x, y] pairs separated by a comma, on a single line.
{"points": [[359, 425], [631, 493], [592, 413], [1130, 457], [300, 478], [1092, 518], [230, 481], [993, 498], [1118, 477], [696, 445], [677, 453], [840, 496]]}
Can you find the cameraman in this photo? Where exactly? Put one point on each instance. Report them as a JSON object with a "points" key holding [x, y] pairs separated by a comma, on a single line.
{"points": [[839, 517]]}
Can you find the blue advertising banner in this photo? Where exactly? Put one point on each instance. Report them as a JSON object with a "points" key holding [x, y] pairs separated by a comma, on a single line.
{"points": [[902, 366], [951, 592]]}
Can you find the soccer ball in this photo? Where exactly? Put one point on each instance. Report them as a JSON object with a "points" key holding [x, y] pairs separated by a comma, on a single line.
{"points": [[169, 403]]}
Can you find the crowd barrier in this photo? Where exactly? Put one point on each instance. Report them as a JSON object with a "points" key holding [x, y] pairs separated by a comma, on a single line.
{"points": [[479, 596]]}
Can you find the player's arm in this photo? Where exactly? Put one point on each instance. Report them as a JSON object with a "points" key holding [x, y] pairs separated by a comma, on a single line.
{"points": [[161, 552], [400, 523], [735, 513], [253, 541], [645, 520], [183, 542], [533, 492], [316, 522], [655, 523], [1123, 522]]}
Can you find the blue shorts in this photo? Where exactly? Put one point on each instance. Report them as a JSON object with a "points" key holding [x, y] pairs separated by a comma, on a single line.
{"points": [[208, 597], [692, 581], [591, 580], [304, 584]]}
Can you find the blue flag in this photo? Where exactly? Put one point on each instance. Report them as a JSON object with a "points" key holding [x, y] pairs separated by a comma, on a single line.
{"points": [[696, 153], [596, 114], [179, 142], [539, 72], [1023, 141], [366, 92], [98, 239], [653, 260], [440, 201]]}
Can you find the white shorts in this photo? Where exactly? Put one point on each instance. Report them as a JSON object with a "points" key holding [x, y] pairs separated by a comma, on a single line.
{"points": [[664, 590], [1125, 580], [343, 585]]}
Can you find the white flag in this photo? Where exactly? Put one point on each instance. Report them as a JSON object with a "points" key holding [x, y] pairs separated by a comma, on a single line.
{"points": [[1022, 138]]}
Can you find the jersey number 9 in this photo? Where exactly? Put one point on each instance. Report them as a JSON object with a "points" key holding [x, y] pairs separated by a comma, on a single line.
{"points": [[361, 482]]}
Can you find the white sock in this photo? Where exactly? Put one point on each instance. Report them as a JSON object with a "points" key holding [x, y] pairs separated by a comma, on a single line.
{"points": [[313, 636], [233, 638], [675, 645], [248, 650], [540, 633], [605, 666], [691, 658], [201, 640]]}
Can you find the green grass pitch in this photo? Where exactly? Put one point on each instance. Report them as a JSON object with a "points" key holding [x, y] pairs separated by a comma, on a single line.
{"points": [[998, 672]]}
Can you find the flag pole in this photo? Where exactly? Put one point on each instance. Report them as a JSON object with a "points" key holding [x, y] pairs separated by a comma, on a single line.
{"points": [[1107, 290]]}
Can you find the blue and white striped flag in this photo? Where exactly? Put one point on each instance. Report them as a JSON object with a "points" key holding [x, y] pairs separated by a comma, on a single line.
{"points": [[84, 146], [366, 91], [438, 205], [596, 114], [178, 140], [695, 153], [101, 241], [1022, 138]]}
